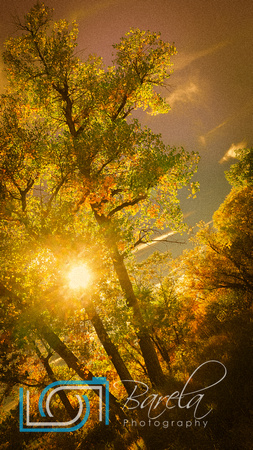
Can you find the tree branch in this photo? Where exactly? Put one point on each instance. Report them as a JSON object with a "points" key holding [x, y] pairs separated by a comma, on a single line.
{"points": [[126, 204]]}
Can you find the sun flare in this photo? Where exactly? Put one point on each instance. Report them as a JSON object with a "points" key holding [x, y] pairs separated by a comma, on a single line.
{"points": [[79, 277]]}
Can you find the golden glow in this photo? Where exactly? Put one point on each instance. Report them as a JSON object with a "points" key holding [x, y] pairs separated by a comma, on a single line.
{"points": [[79, 277]]}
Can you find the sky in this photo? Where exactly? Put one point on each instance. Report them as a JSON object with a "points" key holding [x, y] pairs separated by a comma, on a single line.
{"points": [[210, 91]]}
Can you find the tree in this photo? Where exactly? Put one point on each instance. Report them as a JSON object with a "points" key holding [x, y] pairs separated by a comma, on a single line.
{"points": [[223, 257], [77, 172], [240, 174], [215, 281]]}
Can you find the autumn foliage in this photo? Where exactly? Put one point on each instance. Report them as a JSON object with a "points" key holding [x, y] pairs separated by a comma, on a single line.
{"points": [[83, 182]]}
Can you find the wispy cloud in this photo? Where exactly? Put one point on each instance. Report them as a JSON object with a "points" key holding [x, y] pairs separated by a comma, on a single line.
{"points": [[184, 94], [161, 238], [244, 111], [86, 11], [203, 138], [185, 59], [154, 241], [231, 152]]}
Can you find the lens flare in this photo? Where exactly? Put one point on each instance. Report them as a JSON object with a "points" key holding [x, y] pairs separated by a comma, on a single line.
{"points": [[79, 277]]}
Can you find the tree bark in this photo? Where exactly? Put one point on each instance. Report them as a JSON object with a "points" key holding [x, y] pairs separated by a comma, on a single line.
{"points": [[149, 354], [109, 347], [72, 362], [63, 351], [64, 399]]}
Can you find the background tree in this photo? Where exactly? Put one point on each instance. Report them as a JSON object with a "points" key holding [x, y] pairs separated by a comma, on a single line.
{"points": [[241, 173], [217, 276]]}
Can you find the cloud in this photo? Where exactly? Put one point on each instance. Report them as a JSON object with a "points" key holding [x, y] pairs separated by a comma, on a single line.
{"points": [[162, 237], [231, 152], [183, 60], [154, 241], [244, 111], [184, 94], [202, 138], [87, 11]]}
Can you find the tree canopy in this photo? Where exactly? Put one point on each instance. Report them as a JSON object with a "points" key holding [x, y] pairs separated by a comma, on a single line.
{"points": [[82, 184]]}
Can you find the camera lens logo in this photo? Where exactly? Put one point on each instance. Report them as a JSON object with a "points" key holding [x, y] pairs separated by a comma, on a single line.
{"points": [[99, 384]]}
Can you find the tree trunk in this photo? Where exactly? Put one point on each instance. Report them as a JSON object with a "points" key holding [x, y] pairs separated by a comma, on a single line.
{"points": [[149, 354], [109, 347], [64, 399], [63, 351], [72, 362]]}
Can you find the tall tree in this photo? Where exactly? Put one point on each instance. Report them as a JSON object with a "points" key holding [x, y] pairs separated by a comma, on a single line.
{"points": [[73, 160]]}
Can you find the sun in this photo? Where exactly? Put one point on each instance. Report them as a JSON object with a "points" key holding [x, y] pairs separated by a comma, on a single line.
{"points": [[79, 277]]}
